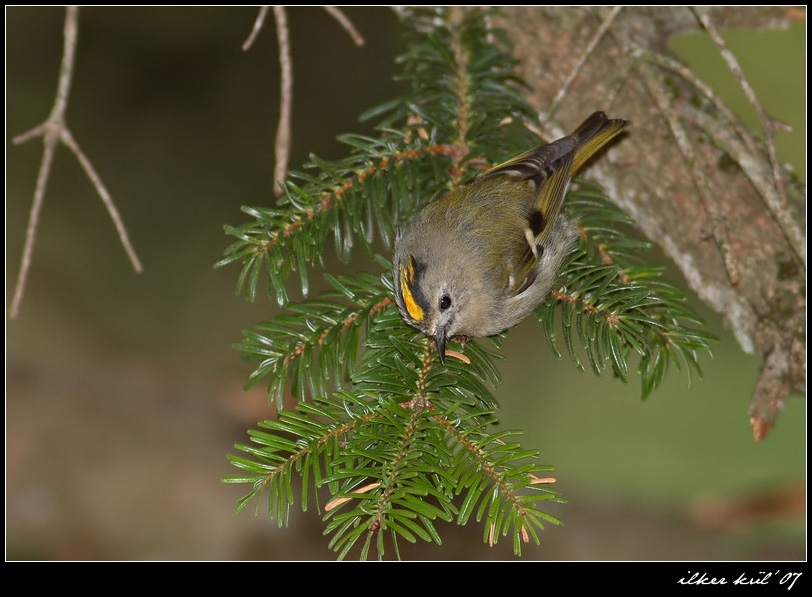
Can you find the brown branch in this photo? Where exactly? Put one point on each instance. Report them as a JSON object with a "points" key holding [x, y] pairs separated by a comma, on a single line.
{"points": [[751, 166], [346, 24], [33, 218], [740, 146], [776, 202], [770, 392], [52, 130], [283, 134], [607, 22], [283, 130], [650, 181], [258, 23], [683, 71], [68, 140], [695, 167]]}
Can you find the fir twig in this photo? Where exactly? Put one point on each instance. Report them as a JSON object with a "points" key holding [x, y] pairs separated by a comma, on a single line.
{"points": [[397, 440]]}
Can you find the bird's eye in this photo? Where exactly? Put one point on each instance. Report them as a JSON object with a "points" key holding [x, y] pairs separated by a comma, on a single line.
{"points": [[445, 302]]}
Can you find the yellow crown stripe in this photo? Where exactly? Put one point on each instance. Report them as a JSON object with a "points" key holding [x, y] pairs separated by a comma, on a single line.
{"points": [[406, 279]]}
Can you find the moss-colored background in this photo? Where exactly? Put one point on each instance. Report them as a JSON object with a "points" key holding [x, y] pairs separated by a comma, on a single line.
{"points": [[123, 394]]}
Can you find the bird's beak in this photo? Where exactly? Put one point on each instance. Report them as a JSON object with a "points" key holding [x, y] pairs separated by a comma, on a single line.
{"points": [[439, 338]]}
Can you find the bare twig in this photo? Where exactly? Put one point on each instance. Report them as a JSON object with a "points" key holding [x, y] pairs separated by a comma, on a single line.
{"points": [[744, 153], [263, 11], [752, 165], [776, 203], [694, 167], [283, 130], [33, 218], [346, 24], [669, 63], [68, 140], [581, 61], [52, 130], [283, 134], [770, 392], [49, 130], [282, 145]]}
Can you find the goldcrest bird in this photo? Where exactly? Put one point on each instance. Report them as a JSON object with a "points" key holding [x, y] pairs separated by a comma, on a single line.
{"points": [[481, 258]]}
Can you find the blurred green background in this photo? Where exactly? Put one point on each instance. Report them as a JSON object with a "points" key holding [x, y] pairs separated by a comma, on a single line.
{"points": [[123, 394]]}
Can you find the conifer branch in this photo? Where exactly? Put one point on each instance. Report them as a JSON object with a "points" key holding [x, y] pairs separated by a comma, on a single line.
{"points": [[398, 440]]}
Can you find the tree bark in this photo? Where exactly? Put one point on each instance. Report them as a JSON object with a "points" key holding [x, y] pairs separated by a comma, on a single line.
{"points": [[695, 182]]}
